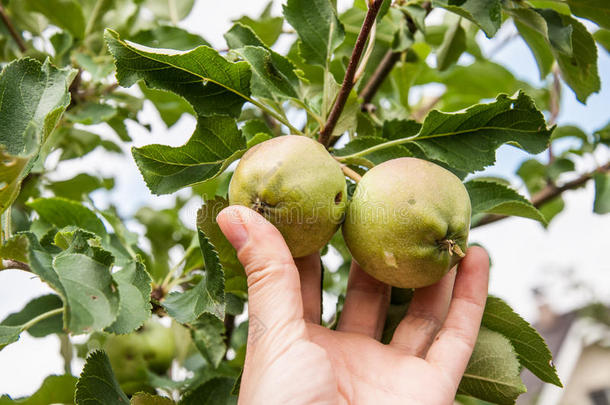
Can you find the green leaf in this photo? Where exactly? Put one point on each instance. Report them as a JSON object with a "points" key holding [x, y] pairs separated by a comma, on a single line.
{"points": [[208, 333], [41, 262], [272, 72], [55, 389], [134, 285], [266, 27], [8, 335], [560, 7], [91, 113], [90, 293], [602, 135], [417, 13], [169, 37], [215, 143], [27, 121], [170, 106], [216, 391], [601, 204], [493, 371], [467, 141], [597, 11], [559, 31], [62, 212], [603, 38], [495, 198], [539, 46], [175, 10], [558, 166], [579, 70], [551, 208], [12, 171], [318, 27], [268, 79], [531, 349], [533, 174], [16, 248], [66, 14], [253, 127], [35, 307], [143, 398], [99, 67], [206, 222], [208, 296], [79, 186], [487, 14], [454, 44], [75, 143], [97, 383], [211, 83], [565, 131], [483, 79]]}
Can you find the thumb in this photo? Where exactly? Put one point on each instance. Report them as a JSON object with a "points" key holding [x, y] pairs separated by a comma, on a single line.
{"points": [[273, 280]]}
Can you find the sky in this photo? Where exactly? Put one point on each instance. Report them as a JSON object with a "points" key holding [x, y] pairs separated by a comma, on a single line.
{"points": [[524, 254]]}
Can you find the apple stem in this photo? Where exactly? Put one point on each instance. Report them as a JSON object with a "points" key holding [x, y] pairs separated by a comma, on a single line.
{"points": [[352, 174], [453, 247]]}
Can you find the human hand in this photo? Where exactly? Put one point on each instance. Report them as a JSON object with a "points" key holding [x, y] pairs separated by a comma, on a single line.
{"points": [[291, 359]]}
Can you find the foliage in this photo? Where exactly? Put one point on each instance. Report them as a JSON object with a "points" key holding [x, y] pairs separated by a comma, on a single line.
{"points": [[69, 66]]}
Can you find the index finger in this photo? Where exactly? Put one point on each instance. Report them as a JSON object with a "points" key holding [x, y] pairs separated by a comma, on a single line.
{"points": [[454, 343]]}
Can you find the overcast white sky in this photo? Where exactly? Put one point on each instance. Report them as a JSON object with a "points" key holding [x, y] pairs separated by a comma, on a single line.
{"points": [[524, 254]]}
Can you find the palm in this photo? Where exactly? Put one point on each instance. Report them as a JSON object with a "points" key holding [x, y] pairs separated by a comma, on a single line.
{"points": [[370, 372], [292, 359]]}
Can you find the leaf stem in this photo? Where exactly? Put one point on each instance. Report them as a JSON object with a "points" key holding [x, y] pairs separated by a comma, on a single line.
{"points": [[173, 12], [97, 8], [167, 281], [275, 115], [11, 28], [376, 148], [348, 80], [41, 317], [417, 137]]}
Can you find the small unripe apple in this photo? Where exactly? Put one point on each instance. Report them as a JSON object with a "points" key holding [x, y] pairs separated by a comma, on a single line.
{"points": [[408, 222], [152, 347], [296, 185]]}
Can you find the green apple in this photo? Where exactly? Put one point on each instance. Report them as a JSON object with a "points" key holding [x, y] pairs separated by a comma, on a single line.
{"points": [[152, 347], [295, 184], [408, 222]]}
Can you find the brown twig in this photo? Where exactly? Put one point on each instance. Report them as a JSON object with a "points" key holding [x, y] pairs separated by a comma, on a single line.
{"points": [[386, 65], [15, 264], [11, 28], [229, 326], [548, 193], [383, 70], [74, 89], [272, 124], [555, 103], [420, 114], [348, 80], [110, 88]]}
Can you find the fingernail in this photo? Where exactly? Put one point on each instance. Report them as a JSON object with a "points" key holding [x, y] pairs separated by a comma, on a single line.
{"points": [[236, 233]]}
